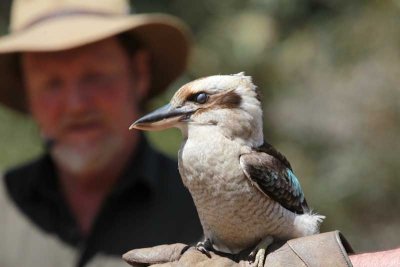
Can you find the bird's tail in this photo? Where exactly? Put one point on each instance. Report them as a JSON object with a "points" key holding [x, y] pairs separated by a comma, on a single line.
{"points": [[307, 224]]}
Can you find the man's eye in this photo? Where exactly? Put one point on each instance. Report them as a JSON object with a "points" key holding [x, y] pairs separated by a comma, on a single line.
{"points": [[96, 80], [52, 85], [200, 98]]}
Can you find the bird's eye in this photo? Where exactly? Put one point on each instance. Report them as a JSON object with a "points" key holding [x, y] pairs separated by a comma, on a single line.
{"points": [[200, 98]]}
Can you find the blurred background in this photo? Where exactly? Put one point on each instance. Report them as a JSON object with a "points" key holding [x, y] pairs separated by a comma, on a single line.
{"points": [[329, 72]]}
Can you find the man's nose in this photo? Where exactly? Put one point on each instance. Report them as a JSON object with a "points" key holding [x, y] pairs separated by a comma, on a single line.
{"points": [[77, 99]]}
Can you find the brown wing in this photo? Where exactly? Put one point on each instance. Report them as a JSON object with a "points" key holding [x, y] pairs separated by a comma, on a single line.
{"points": [[273, 175]]}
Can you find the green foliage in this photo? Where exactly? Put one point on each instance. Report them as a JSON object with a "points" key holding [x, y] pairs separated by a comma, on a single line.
{"points": [[19, 139], [329, 72]]}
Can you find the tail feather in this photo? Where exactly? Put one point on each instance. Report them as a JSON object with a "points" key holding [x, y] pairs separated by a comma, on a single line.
{"points": [[307, 224]]}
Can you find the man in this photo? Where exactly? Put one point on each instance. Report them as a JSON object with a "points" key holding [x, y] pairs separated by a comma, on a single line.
{"points": [[83, 70]]}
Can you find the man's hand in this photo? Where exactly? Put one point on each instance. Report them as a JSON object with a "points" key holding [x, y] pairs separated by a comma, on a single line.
{"points": [[389, 258], [327, 249]]}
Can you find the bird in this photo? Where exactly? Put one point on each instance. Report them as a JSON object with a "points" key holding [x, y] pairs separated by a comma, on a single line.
{"points": [[245, 191]]}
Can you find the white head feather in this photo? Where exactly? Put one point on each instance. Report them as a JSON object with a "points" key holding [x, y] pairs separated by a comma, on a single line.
{"points": [[234, 107]]}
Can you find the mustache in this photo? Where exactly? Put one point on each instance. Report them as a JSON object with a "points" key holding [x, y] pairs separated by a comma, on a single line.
{"points": [[81, 120], [70, 122]]}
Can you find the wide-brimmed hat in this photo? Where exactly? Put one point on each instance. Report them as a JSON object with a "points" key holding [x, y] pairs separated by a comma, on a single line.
{"points": [[55, 25]]}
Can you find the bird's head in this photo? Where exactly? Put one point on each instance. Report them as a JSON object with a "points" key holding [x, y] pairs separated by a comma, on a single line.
{"points": [[229, 103]]}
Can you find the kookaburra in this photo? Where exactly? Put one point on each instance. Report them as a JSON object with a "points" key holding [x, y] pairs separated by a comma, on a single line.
{"points": [[244, 190]]}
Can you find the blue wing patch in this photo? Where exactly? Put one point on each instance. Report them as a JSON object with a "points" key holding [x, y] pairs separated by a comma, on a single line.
{"points": [[296, 187]]}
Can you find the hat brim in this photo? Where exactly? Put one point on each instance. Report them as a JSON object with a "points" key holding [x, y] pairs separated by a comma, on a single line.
{"points": [[165, 37]]}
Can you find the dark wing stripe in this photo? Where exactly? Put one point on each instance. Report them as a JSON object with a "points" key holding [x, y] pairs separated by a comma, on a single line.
{"points": [[275, 179], [270, 150]]}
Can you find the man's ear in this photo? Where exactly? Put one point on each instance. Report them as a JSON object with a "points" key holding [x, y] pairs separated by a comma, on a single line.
{"points": [[142, 73]]}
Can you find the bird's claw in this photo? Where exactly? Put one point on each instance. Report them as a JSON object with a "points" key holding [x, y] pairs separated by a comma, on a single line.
{"points": [[259, 252], [205, 247]]}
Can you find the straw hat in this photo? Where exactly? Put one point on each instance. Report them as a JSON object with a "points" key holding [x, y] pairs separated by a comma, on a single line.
{"points": [[49, 25]]}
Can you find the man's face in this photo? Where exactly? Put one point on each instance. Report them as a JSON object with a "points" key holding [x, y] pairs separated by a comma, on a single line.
{"points": [[84, 99]]}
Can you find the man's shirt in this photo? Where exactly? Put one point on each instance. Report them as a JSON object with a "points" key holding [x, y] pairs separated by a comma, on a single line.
{"points": [[148, 206]]}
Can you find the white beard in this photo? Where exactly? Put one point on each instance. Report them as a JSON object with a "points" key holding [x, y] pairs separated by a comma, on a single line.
{"points": [[84, 158]]}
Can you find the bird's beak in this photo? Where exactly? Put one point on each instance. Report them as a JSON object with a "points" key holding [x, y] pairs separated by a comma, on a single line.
{"points": [[162, 118]]}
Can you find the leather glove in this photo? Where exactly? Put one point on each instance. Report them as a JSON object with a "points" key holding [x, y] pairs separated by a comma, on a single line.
{"points": [[327, 249]]}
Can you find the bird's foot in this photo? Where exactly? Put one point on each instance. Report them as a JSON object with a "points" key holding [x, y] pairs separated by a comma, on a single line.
{"points": [[205, 247], [259, 252]]}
